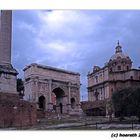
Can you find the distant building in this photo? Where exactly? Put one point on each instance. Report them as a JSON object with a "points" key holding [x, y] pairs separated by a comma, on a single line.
{"points": [[102, 82]]}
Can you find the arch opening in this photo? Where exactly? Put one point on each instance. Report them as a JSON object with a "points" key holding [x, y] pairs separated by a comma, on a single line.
{"points": [[58, 100], [61, 108], [41, 102]]}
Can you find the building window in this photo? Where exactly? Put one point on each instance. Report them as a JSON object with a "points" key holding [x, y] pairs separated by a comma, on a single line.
{"points": [[127, 67], [101, 97], [123, 62], [110, 69], [131, 77], [96, 96], [119, 67], [101, 77], [96, 79], [27, 79]]}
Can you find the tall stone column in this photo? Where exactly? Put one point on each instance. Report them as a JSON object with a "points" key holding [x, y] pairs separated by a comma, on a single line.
{"points": [[78, 102], [50, 91], [69, 97], [5, 37], [7, 72], [50, 104], [69, 93]]}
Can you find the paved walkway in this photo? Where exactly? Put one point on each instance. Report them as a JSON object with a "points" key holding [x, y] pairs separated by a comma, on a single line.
{"points": [[89, 123], [86, 125]]}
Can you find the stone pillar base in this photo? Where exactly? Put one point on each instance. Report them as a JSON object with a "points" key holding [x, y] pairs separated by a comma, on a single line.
{"points": [[68, 108], [57, 109], [8, 79], [65, 109], [78, 106], [50, 107]]}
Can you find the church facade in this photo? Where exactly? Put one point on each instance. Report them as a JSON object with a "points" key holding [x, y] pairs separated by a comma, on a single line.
{"points": [[116, 74], [52, 89]]}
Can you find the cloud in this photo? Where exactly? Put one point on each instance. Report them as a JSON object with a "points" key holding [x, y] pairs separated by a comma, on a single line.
{"points": [[27, 27], [56, 46], [65, 23], [74, 39]]}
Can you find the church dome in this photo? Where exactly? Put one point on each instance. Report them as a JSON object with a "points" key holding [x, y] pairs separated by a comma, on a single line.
{"points": [[119, 54]]}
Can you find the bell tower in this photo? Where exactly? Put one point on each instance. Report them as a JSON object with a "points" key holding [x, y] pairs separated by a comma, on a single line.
{"points": [[8, 75]]}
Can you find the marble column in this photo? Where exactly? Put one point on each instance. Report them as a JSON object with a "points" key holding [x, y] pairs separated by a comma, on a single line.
{"points": [[69, 93], [78, 99], [5, 37], [69, 98], [50, 104], [7, 72]]}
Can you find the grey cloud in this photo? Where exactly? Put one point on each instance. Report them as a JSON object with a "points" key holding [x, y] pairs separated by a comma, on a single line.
{"points": [[92, 40]]}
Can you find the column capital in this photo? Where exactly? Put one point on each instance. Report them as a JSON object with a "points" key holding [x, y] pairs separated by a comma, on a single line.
{"points": [[69, 83], [49, 81]]}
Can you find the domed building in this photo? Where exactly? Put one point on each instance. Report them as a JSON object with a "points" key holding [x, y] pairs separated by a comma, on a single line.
{"points": [[119, 61], [102, 82]]}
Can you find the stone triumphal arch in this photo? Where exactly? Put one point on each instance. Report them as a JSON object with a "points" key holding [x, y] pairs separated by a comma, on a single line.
{"points": [[52, 89]]}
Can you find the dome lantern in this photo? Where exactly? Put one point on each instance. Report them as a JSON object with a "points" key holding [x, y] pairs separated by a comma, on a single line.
{"points": [[118, 48], [119, 53]]}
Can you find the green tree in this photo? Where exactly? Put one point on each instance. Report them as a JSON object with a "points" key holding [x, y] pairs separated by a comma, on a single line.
{"points": [[20, 87], [109, 108], [126, 102]]}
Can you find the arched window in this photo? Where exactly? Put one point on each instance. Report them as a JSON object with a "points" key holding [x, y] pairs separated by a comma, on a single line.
{"points": [[96, 95], [119, 67], [110, 69], [96, 79], [73, 103]]}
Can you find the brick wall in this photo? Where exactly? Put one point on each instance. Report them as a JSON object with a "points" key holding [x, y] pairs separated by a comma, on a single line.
{"points": [[15, 112]]}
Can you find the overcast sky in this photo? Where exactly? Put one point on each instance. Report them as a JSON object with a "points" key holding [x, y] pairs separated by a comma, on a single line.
{"points": [[74, 40]]}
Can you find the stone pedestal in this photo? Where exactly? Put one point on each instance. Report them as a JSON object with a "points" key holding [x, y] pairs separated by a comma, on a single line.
{"points": [[58, 109], [50, 107], [8, 79], [77, 111], [64, 109], [68, 108]]}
